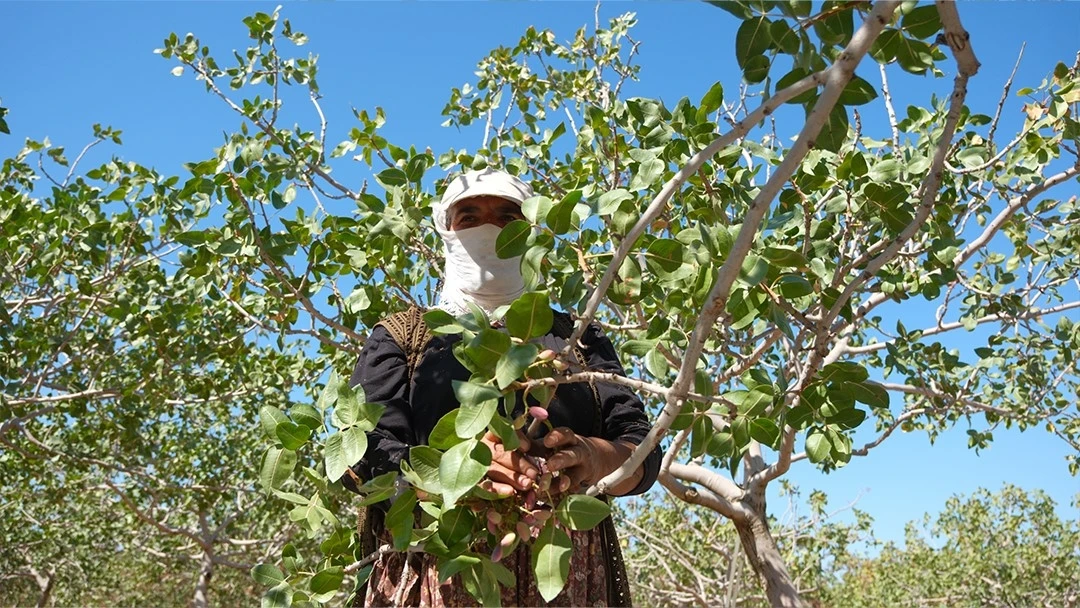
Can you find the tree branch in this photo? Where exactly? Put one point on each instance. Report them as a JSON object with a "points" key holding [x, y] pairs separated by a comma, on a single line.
{"points": [[836, 77], [940, 329]]}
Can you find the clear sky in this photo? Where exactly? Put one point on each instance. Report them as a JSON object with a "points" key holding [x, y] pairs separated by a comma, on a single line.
{"points": [[68, 65]]}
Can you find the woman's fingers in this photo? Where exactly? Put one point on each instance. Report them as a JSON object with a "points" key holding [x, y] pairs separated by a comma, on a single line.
{"points": [[577, 461], [559, 437], [498, 488], [509, 466]]}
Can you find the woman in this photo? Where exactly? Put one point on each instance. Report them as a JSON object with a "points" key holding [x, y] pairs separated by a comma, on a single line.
{"points": [[596, 425]]}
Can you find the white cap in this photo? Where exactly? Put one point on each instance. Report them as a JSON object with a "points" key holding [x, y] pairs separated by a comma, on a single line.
{"points": [[486, 182]]}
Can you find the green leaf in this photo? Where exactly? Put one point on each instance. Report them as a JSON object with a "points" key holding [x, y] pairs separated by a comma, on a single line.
{"points": [[504, 430], [456, 564], [795, 75], [626, 288], [353, 444], [530, 316], [914, 56], [391, 178], [346, 410], [481, 583], [648, 173], [536, 208], [296, 499], [582, 512], [399, 518], [765, 431], [461, 468], [885, 171], [488, 347], [513, 364], [329, 394], [444, 435], [334, 457], [721, 445], [740, 431], [424, 467], [471, 393], [442, 323], [756, 69], [369, 416], [473, 418], [753, 269], [857, 92], [561, 216], [793, 286], [784, 38], [551, 560], [711, 102], [884, 49], [267, 574], [843, 371], [752, 39], [379, 489], [891, 203], [837, 27], [513, 240], [269, 418], [922, 22], [278, 596], [849, 418], [609, 202], [818, 447], [665, 253], [834, 132], [328, 581], [415, 168], [306, 415], [870, 393], [785, 257], [456, 525], [292, 435], [277, 466]]}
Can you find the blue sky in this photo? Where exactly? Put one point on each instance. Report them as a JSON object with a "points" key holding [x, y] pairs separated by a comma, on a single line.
{"points": [[69, 65]]}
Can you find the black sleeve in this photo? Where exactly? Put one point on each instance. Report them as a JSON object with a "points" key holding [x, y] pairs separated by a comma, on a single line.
{"points": [[624, 413], [383, 373]]}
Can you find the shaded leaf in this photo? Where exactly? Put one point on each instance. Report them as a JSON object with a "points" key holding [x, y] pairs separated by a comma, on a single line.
{"points": [[513, 240], [513, 364], [581, 512], [530, 316], [751, 40], [461, 468], [551, 560]]}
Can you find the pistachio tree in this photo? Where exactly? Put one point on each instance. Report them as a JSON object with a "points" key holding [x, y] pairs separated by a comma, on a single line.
{"points": [[749, 259], [752, 285], [130, 392], [1035, 561]]}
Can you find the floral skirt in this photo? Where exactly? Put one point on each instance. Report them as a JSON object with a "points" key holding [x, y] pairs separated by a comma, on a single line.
{"points": [[411, 579]]}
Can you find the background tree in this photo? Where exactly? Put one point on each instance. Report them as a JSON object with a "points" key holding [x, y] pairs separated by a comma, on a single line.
{"points": [[130, 394], [1007, 548], [754, 287], [681, 559]]}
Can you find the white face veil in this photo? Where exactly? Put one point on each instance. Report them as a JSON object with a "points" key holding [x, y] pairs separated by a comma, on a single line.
{"points": [[472, 271]]}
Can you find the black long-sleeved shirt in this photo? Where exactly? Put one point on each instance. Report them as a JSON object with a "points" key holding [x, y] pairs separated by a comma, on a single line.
{"points": [[414, 407]]}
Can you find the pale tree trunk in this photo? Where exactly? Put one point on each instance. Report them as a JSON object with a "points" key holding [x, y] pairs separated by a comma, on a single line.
{"points": [[764, 557], [202, 587], [45, 582], [762, 552]]}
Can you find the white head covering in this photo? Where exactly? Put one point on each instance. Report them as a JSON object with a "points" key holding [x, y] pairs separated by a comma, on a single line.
{"points": [[472, 270]]}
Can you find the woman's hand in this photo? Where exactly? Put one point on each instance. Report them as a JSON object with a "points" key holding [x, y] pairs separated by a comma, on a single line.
{"points": [[586, 460], [510, 471]]}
